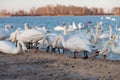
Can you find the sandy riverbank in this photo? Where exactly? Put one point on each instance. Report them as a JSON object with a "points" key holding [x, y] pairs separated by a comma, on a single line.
{"points": [[46, 66]]}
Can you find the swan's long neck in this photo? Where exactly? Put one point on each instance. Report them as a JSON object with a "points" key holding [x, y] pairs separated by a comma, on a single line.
{"points": [[17, 50], [48, 40], [13, 36], [105, 47], [26, 26], [20, 46], [113, 46], [56, 41], [8, 27], [97, 31], [110, 35], [65, 30], [116, 25], [23, 46]]}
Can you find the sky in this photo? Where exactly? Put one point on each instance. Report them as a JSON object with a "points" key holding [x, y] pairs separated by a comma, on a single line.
{"points": [[13, 5]]}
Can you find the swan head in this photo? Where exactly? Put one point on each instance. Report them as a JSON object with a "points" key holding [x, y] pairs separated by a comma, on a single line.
{"points": [[114, 37], [96, 53], [8, 27], [26, 24]]}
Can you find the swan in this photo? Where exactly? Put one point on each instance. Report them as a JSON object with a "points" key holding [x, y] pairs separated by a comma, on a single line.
{"points": [[9, 48], [26, 26], [116, 26], [106, 35], [113, 19], [43, 29], [4, 32], [105, 50], [74, 26], [58, 28], [75, 44], [48, 41], [80, 26], [113, 47], [3, 35], [8, 27], [28, 36], [108, 17]]}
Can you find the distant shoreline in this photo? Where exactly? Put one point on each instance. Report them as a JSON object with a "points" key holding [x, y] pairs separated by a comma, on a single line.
{"points": [[59, 15]]}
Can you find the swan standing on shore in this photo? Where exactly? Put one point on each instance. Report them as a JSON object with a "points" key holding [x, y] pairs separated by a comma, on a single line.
{"points": [[9, 48], [113, 47], [27, 36], [73, 44]]}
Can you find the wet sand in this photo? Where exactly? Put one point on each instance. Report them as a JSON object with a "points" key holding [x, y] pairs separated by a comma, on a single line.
{"points": [[46, 66]]}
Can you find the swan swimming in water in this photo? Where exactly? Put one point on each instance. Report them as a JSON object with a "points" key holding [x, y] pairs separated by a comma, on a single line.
{"points": [[4, 32], [26, 26], [9, 48]]}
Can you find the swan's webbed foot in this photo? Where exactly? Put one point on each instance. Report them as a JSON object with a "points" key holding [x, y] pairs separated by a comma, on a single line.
{"points": [[36, 49], [53, 50]]}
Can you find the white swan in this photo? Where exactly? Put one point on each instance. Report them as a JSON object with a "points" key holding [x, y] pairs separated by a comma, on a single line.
{"points": [[29, 36], [8, 27], [3, 35], [106, 50], [107, 35], [42, 29], [58, 28], [116, 26], [108, 17], [4, 32], [9, 48], [26, 26], [48, 41], [80, 26], [74, 26], [75, 44]]}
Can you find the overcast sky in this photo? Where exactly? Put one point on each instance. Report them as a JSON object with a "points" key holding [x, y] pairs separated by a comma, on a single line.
{"points": [[13, 5]]}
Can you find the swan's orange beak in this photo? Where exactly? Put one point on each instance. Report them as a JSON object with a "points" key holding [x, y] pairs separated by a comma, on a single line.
{"points": [[36, 50], [96, 54]]}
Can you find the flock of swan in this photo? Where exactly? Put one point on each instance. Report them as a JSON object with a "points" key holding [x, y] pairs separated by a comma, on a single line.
{"points": [[86, 40]]}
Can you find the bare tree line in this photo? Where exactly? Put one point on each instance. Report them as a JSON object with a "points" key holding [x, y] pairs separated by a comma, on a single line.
{"points": [[60, 10]]}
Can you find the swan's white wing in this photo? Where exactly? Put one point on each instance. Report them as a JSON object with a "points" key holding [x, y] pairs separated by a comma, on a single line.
{"points": [[28, 35], [58, 28], [6, 46], [76, 43], [3, 34]]}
